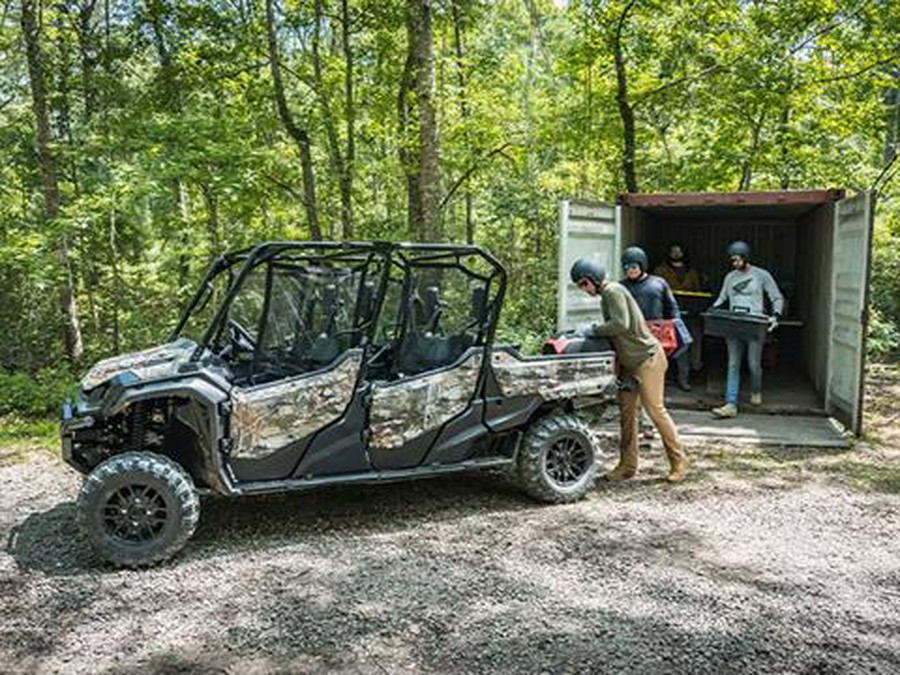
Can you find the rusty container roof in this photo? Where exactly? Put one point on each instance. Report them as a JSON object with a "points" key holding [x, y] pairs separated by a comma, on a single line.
{"points": [[701, 199]]}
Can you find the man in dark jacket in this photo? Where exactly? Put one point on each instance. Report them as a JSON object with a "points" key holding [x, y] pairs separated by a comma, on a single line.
{"points": [[652, 294], [640, 357], [682, 276]]}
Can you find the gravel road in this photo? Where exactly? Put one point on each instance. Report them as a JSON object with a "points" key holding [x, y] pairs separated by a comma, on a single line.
{"points": [[762, 561]]}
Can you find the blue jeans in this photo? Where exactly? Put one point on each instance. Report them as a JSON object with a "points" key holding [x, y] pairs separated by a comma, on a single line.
{"points": [[736, 347]]}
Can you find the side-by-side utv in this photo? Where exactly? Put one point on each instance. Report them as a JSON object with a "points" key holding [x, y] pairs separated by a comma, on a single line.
{"points": [[299, 365]]}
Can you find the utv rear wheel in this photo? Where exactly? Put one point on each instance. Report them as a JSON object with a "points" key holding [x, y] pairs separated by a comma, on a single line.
{"points": [[558, 460], [138, 509]]}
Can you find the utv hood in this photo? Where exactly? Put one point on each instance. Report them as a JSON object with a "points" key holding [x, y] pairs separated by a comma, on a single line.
{"points": [[150, 364]]}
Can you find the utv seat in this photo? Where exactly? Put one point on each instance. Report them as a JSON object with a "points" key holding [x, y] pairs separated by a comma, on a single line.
{"points": [[317, 349], [424, 346]]}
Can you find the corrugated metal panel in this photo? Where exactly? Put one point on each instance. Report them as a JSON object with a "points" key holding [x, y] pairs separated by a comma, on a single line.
{"points": [[585, 229], [852, 237]]}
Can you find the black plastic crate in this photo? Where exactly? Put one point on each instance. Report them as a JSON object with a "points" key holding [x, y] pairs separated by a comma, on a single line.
{"points": [[727, 324]]}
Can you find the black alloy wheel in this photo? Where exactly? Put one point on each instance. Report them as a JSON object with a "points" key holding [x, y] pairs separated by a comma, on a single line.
{"points": [[558, 459], [138, 509], [567, 459], [135, 513]]}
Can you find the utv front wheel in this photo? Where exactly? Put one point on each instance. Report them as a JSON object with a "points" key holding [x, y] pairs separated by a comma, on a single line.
{"points": [[138, 509], [558, 460]]}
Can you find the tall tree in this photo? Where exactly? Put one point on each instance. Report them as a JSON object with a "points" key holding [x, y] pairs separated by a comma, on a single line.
{"points": [[296, 132], [31, 32], [459, 48], [335, 152], [349, 118], [626, 112], [421, 49]]}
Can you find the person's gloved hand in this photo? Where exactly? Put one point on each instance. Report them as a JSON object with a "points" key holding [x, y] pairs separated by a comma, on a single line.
{"points": [[773, 322]]}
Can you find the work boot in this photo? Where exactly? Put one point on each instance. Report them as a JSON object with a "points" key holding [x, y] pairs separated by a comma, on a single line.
{"points": [[683, 383], [725, 411], [678, 465], [756, 399], [625, 469]]}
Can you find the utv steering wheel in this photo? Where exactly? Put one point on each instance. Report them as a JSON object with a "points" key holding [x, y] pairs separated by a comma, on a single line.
{"points": [[239, 338]]}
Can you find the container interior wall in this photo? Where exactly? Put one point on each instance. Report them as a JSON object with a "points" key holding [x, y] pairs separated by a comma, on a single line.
{"points": [[634, 229], [794, 246], [706, 235], [815, 260]]}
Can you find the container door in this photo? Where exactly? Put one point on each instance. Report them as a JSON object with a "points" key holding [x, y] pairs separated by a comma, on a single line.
{"points": [[849, 283], [585, 229]]}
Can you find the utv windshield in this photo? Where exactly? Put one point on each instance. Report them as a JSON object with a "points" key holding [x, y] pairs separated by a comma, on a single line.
{"points": [[289, 309]]}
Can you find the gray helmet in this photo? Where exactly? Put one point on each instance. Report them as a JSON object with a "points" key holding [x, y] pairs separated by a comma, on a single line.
{"points": [[635, 254], [741, 248], [588, 268]]}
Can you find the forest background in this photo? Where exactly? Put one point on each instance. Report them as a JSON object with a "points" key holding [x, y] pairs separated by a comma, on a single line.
{"points": [[138, 140]]}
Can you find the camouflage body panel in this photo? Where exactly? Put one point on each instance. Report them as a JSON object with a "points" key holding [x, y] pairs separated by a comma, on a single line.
{"points": [[553, 377], [265, 419], [150, 364], [402, 411]]}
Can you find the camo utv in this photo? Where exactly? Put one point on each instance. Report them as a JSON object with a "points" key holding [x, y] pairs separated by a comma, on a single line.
{"points": [[299, 365]]}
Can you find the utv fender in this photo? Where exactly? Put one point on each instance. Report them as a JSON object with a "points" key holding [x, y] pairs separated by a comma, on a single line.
{"points": [[204, 415]]}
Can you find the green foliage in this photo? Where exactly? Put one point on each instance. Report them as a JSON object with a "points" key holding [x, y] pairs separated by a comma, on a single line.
{"points": [[884, 321], [170, 150], [884, 335], [38, 396]]}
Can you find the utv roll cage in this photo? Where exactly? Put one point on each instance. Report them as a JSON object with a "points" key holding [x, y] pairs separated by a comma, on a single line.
{"points": [[378, 264]]}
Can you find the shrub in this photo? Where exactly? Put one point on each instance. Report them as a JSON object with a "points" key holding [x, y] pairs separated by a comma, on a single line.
{"points": [[40, 395]]}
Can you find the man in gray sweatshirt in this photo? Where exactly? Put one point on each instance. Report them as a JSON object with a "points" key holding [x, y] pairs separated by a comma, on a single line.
{"points": [[743, 291]]}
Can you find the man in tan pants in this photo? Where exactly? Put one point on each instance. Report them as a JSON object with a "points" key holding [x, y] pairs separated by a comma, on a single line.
{"points": [[641, 359]]}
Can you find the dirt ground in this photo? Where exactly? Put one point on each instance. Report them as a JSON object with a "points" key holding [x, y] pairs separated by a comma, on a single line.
{"points": [[762, 561]]}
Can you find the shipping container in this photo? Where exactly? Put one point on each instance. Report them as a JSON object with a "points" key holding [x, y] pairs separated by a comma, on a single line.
{"points": [[816, 243]]}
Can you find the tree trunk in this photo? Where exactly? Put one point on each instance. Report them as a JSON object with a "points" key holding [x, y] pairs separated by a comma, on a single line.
{"points": [[406, 148], [747, 165], [464, 114], [334, 146], [172, 100], [73, 344], [429, 168], [117, 279], [180, 193], [626, 111], [784, 168], [212, 220], [85, 33], [350, 120], [299, 134]]}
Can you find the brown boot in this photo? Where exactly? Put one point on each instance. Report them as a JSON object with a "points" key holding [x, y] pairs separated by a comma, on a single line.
{"points": [[678, 464], [625, 469]]}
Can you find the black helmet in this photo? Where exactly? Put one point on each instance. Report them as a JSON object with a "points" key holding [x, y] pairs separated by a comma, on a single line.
{"points": [[741, 248], [635, 254], [588, 268]]}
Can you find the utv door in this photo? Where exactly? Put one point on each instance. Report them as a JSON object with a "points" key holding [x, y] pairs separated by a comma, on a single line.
{"points": [[849, 317], [296, 409], [426, 405]]}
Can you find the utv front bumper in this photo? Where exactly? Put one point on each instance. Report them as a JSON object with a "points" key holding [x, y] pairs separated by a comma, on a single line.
{"points": [[81, 430]]}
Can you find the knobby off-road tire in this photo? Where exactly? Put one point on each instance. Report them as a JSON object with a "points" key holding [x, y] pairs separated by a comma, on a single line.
{"points": [[138, 509], [558, 459]]}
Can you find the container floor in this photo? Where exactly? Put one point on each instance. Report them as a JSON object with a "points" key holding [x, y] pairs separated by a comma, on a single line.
{"points": [[785, 391]]}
